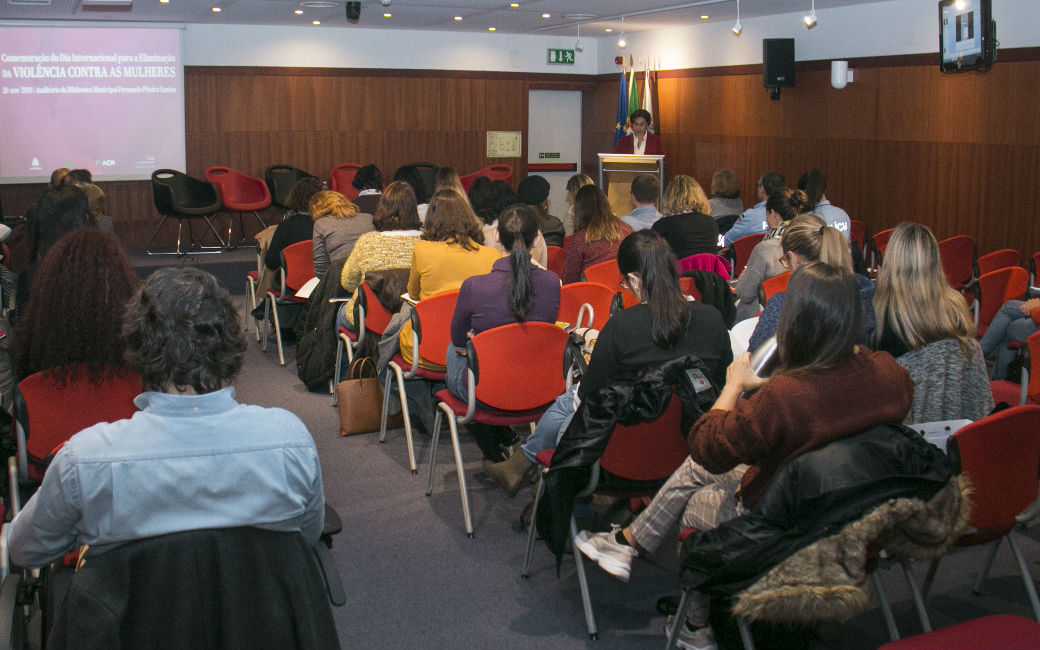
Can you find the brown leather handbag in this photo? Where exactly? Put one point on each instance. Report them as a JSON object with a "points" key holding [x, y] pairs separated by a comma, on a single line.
{"points": [[360, 399]]}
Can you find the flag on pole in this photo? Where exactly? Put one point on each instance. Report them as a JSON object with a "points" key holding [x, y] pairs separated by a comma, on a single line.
{"points": [[633, 95], [622, 107], [654, 100], [648, 105]]}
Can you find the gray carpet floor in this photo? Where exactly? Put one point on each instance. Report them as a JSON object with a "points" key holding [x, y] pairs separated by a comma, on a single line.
{"points": [[414, 579]]}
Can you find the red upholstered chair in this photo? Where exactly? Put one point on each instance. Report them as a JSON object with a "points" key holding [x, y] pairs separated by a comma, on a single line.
{"points": [[995, 288], [372, 317], [1000, 259], [996, 632], [647, 452], [605, 273], [592, 297], [509, 393], [999, 454], [1028, 390], [740, 251], [494, 172], [554, 258], [858, 235], [689, 288], [958, 260], [340, 178], [1034, 263], [772, 286], [296, 270], [877, 245], [239, 193], [431, 333]]}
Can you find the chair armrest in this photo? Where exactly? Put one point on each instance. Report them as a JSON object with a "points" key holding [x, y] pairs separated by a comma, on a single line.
{"points": [[329, 574]]}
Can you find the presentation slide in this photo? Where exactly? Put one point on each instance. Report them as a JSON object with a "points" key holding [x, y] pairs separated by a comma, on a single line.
{"points": [[110, 100]]}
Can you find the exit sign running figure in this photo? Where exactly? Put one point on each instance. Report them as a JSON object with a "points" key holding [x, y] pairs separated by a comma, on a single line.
{"points": [[560, 57]]}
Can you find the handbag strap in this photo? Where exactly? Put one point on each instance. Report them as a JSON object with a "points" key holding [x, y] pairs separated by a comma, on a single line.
{"points": [[358, 367]]}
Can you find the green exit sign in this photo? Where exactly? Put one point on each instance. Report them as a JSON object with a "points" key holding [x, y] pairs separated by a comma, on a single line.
{"points": [[560, 57]]}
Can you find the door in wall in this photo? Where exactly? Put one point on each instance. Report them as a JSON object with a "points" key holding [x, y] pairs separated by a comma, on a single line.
{"points": [[554, 143]]}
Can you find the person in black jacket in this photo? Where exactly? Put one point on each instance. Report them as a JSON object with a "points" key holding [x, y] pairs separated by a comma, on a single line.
{"points": [[296, 227]]}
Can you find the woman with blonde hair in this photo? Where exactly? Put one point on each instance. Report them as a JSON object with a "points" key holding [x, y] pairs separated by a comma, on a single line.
{"points": [[446, 178], [925, 324], [686, 226], [598, 236], [338, 224], [806, 239]]}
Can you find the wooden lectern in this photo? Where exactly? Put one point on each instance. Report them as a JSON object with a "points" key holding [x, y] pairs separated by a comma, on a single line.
{"points": [[619, 170]]}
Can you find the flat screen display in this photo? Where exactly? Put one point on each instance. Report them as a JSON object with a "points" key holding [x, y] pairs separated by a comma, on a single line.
{"points": [[110, 100], [965, 36]]}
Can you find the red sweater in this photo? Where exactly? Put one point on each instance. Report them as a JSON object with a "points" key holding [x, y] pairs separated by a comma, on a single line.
{"points": [[792, 415]]}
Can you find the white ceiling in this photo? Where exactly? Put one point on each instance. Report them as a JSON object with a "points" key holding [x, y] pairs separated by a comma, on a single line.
{"points": [[426, 15]]}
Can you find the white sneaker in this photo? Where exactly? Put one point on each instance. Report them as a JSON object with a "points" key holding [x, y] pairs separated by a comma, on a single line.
{"points": [[614, 558], [702, 638]]}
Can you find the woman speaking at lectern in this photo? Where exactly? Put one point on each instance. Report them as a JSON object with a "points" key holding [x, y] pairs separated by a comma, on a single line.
{"points": [[639, 141]]}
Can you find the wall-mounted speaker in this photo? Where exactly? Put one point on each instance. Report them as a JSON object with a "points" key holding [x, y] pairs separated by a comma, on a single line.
{"points": [[353, 11], [777, 64]]}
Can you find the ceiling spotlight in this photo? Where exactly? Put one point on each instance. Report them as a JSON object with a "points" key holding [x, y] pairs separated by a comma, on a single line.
{"points": [[315, 22], [387, 15], [704, 16], [458, 18], [514, 5], [810, 20], [546, 15], [608, 30], [960, 5], [737, 27], [622, 43], [165, 2], [491, 29], [215, 10], [298, 12], [577, 43]]}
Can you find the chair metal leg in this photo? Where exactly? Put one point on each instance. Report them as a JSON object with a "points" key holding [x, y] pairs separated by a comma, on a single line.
{"points": [[890, 621], [336, 374], [994, 546], [456, 449], [745, 634], [677, 621], [262, 224], [251, 288], [399, 378], [148, 248], [386, 405], [922, 612], [267, 320], [433, 449], [1027, 578], [583, 584], [531, 528], [932, 569], [222, 244], [277, 331]]}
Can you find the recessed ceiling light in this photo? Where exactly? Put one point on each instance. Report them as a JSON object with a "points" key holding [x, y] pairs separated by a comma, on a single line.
{"points": [[491, 29], [458, 18], [215, 10], [514, 4], [298, 12], [387, 15], [704, 17], [608, 29], [165, 2], [315, 22], [546, 15]]}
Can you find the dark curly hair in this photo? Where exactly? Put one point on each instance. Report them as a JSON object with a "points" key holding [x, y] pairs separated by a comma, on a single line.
{"points": [[60, 210], [181, 332], [71, 324]]}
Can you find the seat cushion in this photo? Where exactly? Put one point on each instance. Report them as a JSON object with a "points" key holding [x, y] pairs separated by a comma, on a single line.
{"points": [[485, 415], [997, 632]]}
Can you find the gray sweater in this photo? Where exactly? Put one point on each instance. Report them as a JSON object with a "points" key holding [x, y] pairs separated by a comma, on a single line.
{"points": [[947, 384]]}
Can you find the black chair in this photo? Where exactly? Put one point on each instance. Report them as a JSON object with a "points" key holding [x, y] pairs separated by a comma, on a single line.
{"points": [[182, 197], [726, 222], [280, 180], [428, 171], [219, 588]]}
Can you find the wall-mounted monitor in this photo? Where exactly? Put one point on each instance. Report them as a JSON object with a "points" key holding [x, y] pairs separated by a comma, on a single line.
{"points": [[967, 35]]}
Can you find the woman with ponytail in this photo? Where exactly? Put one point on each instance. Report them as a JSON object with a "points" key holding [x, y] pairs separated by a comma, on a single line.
{"points": [[807, 239], [781, 207], [515, 291], [664, 326]]}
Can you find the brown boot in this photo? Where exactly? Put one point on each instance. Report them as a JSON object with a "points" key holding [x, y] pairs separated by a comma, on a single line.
{"points": [[511, 472]]}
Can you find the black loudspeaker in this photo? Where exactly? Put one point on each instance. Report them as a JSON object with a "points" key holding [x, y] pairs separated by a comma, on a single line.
{"points": [[353, 11], [778, 62]]}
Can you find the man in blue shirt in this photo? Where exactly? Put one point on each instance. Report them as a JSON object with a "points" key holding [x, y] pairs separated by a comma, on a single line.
{"points": [[754, 219], [645, 191], [814, 184], [192, 457]]}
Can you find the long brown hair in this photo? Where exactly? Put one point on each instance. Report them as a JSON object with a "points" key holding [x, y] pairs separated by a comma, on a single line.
{"points": [[450, 219], [593, 214], [396, 209]]}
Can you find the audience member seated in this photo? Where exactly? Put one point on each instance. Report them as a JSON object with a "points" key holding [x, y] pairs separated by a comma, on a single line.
{"points": [[814, 185], [396, 224], [337, 226], [808, 239], [447, 178], [574, 183], [193, 457], [514, 291], [754, 219], [534, 191], [410, 174], [687, 227], [1014, 321], [598, 235], [740, 444], [764, 262], [662, 327], [77, 177], [725, 195], [96, 206], [488, 199], [449, 251], [926, 325], [72, 322], [368, 181], [645, 191], [296, 227], [57, 176]]}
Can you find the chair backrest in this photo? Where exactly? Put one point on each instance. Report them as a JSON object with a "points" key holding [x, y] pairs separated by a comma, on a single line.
{"points": [[519, 366], [377, 317], [573, 296], [1000, 259], [433, 318], [958, 260], [689, 287], [262, 587], [772, 286], [741, 251], [999, 454], [857, 233], [340, 179], [48, 414], [496, 172], [726, 223], [554, 258], [1033, 347], [175, 193], [297, 264], [878, 244], [280, 180], [997, 287], [237, 190], [1034, 263], [648, 451], [605, 273]]}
